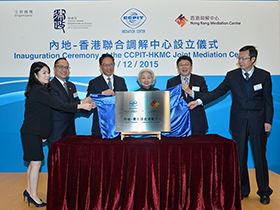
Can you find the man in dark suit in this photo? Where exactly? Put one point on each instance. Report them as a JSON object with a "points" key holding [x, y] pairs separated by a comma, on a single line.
{"points": [[107, 83], [193, 87], [251, 116], [63, 90]]}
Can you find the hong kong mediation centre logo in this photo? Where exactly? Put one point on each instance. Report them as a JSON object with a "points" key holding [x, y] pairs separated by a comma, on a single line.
{"points": [[181, 20], [59, 17], [133, 18]]}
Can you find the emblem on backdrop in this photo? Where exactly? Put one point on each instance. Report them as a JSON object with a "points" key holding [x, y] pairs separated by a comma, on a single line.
{"points": [[59, 17], [133, 18], [181, 20]]}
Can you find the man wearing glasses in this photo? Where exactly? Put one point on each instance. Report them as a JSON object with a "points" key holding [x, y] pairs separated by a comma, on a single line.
{"points": [[193, 87], [107, 83], [250, 118], [63, 90]]}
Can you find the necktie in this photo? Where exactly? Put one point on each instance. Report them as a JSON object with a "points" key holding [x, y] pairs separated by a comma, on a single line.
{"points": [[110, 84], [247, 76], [65, 87], [186, 82]]}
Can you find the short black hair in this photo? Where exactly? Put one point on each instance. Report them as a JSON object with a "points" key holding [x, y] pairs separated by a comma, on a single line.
{"points": [[56, 61], [253, 52], [105, 56], [184, 57]]}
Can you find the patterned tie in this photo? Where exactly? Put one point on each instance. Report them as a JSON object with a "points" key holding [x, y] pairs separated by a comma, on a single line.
{"points": [[186, 82], [65, 87], [247, 76], [110, 84]]}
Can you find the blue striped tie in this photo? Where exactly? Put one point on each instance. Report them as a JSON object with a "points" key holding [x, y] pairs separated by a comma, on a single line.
{"points": [[110, 84]]}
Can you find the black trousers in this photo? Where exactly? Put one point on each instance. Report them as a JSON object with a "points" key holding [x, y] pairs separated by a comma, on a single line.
{"points": [[258, 146]]}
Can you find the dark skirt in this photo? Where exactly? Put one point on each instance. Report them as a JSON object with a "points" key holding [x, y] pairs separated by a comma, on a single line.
{"points": [[32, 147]]}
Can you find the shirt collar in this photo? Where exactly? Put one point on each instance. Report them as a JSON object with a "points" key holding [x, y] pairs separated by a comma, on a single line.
{"points": [[183, 78], [61, 81], [111, 79], [106, 78], [249, 72]]}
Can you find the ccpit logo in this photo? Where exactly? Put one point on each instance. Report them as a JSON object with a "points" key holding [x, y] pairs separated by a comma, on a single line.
{"points": [[133, 18]]}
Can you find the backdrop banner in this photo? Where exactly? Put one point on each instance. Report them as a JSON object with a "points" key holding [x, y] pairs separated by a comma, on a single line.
{"points": [[139, 34]]}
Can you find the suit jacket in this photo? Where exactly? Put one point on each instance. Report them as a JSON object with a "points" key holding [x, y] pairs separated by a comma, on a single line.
{"points": [[63, 122], [257, 106], [96, 86], [198, 116], [38, 114]]}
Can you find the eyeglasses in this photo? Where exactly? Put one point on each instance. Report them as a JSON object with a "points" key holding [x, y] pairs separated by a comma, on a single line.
{"points": [[107, 64], [243, 59], [63, 67], [184, 64]]}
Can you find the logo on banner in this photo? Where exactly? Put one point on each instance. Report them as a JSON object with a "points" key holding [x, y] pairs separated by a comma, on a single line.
{"points": [[133, 18], [205, 20], [181, 20], [59, 16], [133, 104], [154, 104]]}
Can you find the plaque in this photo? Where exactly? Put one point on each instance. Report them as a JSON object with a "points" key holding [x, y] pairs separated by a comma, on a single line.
{"points": [[142, 112]]}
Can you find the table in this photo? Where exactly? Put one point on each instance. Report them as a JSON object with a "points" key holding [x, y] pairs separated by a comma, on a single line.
{"points": [[196, 172]]}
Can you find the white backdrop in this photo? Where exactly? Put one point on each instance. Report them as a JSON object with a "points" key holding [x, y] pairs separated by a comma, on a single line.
{"points": [[211, 28], [139, 33]]}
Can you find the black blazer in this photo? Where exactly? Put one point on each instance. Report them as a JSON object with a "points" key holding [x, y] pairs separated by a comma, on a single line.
{"points": [[38, 115], [63, 122], [96, 86], [257, 106], [198, 117], [150, 89]]}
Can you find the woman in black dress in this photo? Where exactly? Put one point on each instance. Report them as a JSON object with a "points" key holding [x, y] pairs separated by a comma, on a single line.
{"points": [[146, 79], [38, 124]]}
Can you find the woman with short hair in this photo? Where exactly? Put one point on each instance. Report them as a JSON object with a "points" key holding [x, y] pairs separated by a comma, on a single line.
{"points": [[146, 79]]}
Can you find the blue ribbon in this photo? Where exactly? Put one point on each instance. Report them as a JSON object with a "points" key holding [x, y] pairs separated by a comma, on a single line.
{"points": [[179, 114]]}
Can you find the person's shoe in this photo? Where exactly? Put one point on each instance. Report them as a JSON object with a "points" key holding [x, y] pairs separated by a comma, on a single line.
{"points": [[30, 200], [25, 194], [243, 196], [265, 199]]}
